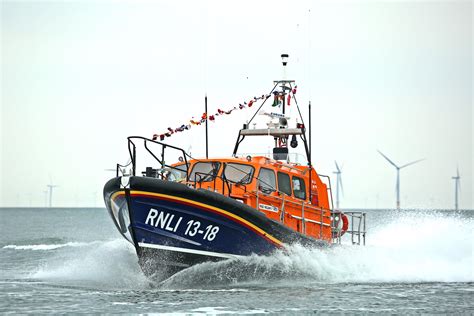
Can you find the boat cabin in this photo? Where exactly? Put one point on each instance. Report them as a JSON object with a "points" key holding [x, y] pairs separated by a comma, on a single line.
{"points": [[280, 190]]}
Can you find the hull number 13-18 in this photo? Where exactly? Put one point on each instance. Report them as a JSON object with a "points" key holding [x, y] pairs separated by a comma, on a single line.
{"points": [[209, 233]]}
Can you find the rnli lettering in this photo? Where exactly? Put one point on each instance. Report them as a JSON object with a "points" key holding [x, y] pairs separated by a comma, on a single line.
{"points": [[167, 221], [162, 220]]}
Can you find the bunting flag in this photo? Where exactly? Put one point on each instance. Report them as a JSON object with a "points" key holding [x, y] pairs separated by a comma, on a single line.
{"points": [[275, 99], [278, 97]]}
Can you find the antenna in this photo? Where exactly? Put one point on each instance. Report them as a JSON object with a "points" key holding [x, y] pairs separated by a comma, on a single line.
{"points": [[397, 187], [457, 188], [338, 173]]}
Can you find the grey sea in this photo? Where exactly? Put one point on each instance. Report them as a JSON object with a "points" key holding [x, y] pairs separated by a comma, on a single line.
{"points": [[74, 261]]}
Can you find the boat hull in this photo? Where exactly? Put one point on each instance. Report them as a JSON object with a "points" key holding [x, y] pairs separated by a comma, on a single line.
{"points": [[174, 227]]}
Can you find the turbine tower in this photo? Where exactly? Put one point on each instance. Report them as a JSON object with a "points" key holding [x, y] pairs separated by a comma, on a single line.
{"points": [[338, 183], [457, 187], [398, 174], [51, 186]]}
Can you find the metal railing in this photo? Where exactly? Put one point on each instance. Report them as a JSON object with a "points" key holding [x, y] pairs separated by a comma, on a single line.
{"points": [[358, 228], [132, 149]]}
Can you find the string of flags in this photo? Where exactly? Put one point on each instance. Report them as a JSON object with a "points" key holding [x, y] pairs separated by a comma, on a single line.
{"points": [[278, 96], [277, 101]]}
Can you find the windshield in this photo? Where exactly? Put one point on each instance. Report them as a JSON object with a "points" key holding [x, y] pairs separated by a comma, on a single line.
{"points": [[204, 171], [238, 173], [177, 173]]}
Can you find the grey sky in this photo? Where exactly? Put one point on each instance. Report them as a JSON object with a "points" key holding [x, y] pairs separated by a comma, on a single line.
{"points": [[80, 76]]}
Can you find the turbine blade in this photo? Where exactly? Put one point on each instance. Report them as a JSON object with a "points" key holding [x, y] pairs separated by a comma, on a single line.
{"points": [[337, 166], [457, 172], [411, 163], [391, 162]]}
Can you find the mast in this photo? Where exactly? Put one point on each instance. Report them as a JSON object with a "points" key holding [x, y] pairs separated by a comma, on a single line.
{"points": [[284, 61], [310, 165], [207, 141], [278, 126]]}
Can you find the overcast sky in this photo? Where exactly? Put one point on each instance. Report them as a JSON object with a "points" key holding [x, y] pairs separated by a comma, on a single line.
{"points": [[78, 77]]}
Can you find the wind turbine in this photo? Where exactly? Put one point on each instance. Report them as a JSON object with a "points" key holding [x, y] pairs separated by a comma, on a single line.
{"points": [[457, 187], [51, 186], [398, 174], [338, 183]]}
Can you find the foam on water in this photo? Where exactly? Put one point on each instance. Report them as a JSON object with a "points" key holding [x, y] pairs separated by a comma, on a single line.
{"points": [[415, 247], [412, 247], [48, 246], [108, 264]]}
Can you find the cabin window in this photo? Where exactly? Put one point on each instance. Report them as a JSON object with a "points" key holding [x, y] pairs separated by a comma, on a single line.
{"points": [[299, 190], [238, 173], [177, 173], [266, 180], [284, 184], [204, 171]]}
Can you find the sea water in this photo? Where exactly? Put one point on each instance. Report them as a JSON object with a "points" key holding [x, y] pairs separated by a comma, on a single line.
{"points": [[74, 260]]}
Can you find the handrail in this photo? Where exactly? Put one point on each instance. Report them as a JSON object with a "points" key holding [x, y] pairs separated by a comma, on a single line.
{"points": [[224, 181], [303, 228], [361, 227], [132, 145]]}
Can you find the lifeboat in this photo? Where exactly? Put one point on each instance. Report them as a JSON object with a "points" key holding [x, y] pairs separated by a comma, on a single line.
{"points": [[193, 210]]}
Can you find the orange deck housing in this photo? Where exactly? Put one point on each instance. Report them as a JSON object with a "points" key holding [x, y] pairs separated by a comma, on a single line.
{"points": [[305, 211]]}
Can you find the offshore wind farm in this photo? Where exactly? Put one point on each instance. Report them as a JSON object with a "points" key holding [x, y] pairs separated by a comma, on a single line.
{"points": [[398, 168]]}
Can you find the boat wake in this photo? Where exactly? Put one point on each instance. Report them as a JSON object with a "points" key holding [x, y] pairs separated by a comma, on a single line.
{"points": [[412, 248]]}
